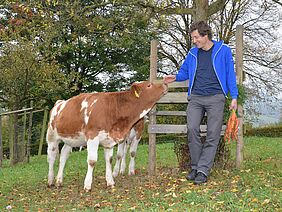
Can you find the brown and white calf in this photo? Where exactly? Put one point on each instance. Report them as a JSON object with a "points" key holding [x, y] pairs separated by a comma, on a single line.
{"points": [[131, 142], [94, 119]]}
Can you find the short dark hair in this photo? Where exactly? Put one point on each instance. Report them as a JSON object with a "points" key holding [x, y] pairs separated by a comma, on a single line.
{"points": [[203, 29]]}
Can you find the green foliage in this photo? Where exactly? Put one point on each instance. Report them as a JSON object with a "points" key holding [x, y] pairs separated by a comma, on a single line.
{"points": [[26, 76], [266, 131], [98, 46], [106, 46]]}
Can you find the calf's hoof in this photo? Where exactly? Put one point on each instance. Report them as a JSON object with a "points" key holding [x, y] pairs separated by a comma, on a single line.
{"points": [[87, 188], [59, 185], [111, 186], [131, 173], [50, 185], [115, 174]]}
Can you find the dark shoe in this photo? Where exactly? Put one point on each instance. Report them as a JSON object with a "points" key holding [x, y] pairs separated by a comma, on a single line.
{"points": [[192, 175], [200, 178]]}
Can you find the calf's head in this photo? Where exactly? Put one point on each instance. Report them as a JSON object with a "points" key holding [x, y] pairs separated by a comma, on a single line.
{"points": [[152, 92]]}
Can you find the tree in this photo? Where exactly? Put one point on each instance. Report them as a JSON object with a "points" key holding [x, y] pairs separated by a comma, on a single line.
{"points": [[105, 45], [262, 58], [25, 76]]}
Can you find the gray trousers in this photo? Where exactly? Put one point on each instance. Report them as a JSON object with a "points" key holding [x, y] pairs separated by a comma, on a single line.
{"points": [[203, 154]]}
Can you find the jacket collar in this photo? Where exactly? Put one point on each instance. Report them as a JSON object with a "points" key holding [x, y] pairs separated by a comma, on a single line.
{"points": [[217, 45]]}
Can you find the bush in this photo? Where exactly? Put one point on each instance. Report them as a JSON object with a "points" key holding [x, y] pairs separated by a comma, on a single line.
{"points": [[267, 131]]}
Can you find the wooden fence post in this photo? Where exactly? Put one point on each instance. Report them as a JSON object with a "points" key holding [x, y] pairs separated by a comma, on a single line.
{"points": [[43, 131], [11, 140], [152, 136], [239, 73], [1, 142], [29, 132], [24, 142]]}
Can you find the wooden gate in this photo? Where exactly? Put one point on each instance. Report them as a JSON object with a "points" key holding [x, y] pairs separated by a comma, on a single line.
{"points": [[181, 97]]}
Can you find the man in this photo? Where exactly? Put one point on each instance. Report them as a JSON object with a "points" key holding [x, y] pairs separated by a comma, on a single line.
{"points": [[209, 67]]}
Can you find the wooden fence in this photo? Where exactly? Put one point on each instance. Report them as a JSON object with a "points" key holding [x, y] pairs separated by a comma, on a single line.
{"points": [[23, 141], [181, 97]]}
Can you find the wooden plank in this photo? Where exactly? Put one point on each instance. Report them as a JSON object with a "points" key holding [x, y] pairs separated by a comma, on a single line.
{"points": [[169, 129], [174, 97], [16, 111], [177, 129], [171, 113], [183, 84]]}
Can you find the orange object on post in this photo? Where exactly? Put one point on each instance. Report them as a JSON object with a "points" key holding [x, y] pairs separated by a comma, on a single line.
{"points": [[231, 132]]}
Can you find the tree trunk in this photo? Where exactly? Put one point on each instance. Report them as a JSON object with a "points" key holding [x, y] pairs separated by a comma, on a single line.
{"points": [[200, 10]]}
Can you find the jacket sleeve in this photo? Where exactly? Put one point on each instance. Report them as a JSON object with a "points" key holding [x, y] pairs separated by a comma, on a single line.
{"points": [[183, 72], [231, 75]]}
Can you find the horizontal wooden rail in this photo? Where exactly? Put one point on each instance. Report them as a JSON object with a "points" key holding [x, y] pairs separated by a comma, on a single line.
{"points": [[174, 97], [177, 129], [183, 84], [169, 113], [16, 111]]}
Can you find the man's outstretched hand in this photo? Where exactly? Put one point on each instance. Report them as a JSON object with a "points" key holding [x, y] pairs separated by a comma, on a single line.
{"points": [[169, 79]]}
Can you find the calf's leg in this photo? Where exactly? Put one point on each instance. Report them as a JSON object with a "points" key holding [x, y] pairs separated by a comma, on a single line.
{"points": [[108, 153], [65, 152], [52, 152], [92, 157], [120, 152], [133, 149], [123, 160]]}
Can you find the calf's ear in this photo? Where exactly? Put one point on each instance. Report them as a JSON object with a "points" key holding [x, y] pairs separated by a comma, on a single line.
{"points": [[136, 90]]}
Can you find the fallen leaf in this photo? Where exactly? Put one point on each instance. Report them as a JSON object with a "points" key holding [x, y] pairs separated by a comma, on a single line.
{"points": [[266, 201], [254, 200]]}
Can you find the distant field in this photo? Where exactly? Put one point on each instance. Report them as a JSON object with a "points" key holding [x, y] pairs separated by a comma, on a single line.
{"points": [[256, 187]]}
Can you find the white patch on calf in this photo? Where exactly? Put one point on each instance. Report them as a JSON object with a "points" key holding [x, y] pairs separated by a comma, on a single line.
{"points": [[63, 104], [144, 113], [73, 141], [54, 110], [105, 140], [84, 104], [93, 102]]}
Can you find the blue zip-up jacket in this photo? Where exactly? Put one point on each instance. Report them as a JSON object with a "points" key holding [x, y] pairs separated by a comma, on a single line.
{"points": [[223, 65]]}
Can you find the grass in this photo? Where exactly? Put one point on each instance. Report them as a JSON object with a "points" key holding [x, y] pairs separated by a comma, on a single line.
{"points": [[256, 186]]}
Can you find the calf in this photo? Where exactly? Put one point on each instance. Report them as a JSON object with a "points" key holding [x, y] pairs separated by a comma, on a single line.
{"points": [[132, 140], [94, 119]]}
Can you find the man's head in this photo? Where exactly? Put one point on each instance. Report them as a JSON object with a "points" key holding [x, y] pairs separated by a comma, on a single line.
{"points": [[201, 34]]}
